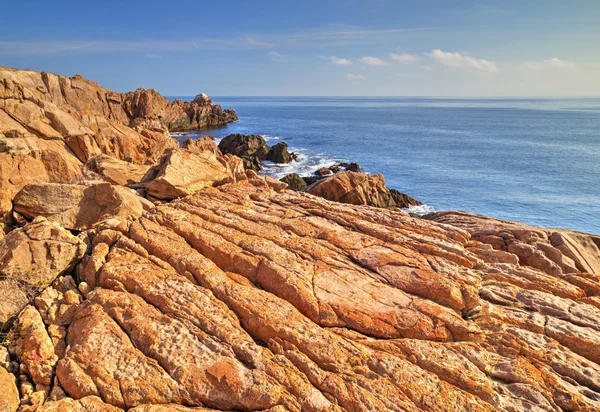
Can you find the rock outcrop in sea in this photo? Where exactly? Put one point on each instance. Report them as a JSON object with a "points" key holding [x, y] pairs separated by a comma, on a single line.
{"points": [[224, 290], [253, 149]]}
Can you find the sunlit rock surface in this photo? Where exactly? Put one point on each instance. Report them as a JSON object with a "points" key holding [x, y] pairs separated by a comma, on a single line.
{"points": [[243, 298]]}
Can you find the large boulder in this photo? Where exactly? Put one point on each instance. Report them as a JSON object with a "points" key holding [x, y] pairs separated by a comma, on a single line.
{"points": [[294, 182], [31, 258], [279, 153], [203, 144], [77, 206], [252, 163], [182, 173], [354, 188], [116, 171], [245, 146], [9, 401], [34, 347]]}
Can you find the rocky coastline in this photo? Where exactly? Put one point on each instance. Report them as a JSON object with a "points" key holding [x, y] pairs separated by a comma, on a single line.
{"points": [[137, 274]]}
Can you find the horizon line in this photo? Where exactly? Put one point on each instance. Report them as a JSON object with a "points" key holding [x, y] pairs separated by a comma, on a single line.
{"points": [[213, 96]]}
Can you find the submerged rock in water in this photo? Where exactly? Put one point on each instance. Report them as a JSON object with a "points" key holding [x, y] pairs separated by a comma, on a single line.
{"points": [[253, 149], [279, 153], [353, 167]]}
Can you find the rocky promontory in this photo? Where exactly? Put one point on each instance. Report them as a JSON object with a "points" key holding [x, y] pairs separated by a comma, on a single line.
{"points": [[148, 277], [52, 127]]}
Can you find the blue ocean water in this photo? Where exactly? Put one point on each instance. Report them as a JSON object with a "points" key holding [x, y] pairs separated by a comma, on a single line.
{"points": [[530, 160]]}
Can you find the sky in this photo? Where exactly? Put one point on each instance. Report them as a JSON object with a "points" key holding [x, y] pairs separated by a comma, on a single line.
{"points": [[313, 48]]}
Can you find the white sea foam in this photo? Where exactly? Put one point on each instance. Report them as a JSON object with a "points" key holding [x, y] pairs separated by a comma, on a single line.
{"points": [[420, 210], [305, 165], [270, 138]]}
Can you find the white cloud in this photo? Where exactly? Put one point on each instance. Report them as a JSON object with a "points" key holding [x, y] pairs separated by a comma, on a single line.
{"points": [[338, 61], [553, 63], [403, 58], [372, 61], [455, 59], [153, 56], [352, 76], [276, 57]]}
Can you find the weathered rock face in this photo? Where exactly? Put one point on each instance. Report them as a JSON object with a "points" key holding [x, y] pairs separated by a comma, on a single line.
{"points": [[89, 119], [51, 125], [243, 298], [359, 189], [553, 251], [31, 258], [77, 207], [26, 159]]}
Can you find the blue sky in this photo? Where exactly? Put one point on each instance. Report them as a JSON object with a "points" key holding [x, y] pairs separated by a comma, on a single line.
{"points": [[327, 47]]}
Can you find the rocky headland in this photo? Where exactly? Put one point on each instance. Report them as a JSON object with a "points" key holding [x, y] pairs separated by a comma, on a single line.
{"points": [[139, 275]]}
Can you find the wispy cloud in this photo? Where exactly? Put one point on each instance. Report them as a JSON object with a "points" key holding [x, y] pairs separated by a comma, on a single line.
{"points": [[403, 58], [410, 75], [338, 61], [355, 77], [153, 56], [456, 59], [255, 42], [311, 38], [553, 63], [276, 57], [352, 32], [44, 47], [372, 61]]}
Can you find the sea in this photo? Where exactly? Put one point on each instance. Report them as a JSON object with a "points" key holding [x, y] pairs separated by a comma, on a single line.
{"points": [[531, 160]]}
